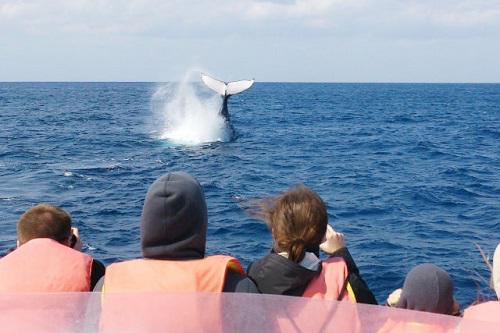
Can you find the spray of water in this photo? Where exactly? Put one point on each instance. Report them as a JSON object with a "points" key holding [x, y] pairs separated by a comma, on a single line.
{"points": [[185, 115]]}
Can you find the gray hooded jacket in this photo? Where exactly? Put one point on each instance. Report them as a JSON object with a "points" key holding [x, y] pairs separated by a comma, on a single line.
{"points": [[174, 223], [174, 219]]}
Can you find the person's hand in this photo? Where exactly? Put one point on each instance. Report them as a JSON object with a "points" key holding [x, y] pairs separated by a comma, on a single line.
{"points": [[75, 241], [332, 241], [394, 297]]}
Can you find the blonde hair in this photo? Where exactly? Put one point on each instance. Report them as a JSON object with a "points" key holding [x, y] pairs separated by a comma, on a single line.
{"points": [[297, 219]]}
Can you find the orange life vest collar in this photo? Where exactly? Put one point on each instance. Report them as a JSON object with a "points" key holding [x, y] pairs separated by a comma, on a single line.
{"points": [[207, 274]]}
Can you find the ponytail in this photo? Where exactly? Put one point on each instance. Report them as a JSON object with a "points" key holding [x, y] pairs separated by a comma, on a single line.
{"points": [[297, 250], [297, 219]]}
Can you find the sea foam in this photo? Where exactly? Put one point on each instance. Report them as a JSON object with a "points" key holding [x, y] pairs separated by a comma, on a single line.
{"points": [[184, 115]]}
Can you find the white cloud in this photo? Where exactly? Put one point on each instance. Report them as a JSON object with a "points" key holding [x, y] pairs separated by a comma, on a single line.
{"points": [[9, 10], [195, 17], [463, 14], [299, 9], [271, 39]]}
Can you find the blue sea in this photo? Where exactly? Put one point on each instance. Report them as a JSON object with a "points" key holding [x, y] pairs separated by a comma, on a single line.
{"points": [[410, 172]]}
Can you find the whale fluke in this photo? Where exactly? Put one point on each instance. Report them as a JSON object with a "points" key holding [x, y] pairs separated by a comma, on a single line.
{"points": [[226, 89]]}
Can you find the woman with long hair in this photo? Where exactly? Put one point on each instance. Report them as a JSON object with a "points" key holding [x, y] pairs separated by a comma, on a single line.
{"points": [[298, 222]]}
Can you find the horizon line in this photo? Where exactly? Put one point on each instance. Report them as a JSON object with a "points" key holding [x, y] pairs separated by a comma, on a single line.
{"points": [[292, 82]]}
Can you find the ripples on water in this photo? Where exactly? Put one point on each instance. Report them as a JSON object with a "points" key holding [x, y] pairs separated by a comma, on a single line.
{"points": [[410, 173]]}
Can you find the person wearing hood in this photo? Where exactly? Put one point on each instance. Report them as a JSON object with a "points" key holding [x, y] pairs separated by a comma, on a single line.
{"points": [[298, 222], [488, 311], [48, 255], [173, 237], [426, 288]]}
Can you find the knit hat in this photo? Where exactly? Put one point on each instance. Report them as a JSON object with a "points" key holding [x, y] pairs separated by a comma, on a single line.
{"points": [[496, 271], [427, 288]]}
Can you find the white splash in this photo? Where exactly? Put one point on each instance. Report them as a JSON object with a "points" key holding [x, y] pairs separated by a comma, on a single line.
{"points": [[186, 117]]}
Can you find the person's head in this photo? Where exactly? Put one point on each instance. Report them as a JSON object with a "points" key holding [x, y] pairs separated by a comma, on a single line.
{"points": [[44, 221], [174, 218], [298, 220], [428, 288], [496, 271]]}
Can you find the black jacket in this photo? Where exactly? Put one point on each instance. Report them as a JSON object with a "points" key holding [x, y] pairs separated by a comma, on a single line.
{"points": [[275, 274]]}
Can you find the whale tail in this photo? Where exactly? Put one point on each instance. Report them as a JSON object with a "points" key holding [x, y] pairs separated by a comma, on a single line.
{"points": [[226, 89]]}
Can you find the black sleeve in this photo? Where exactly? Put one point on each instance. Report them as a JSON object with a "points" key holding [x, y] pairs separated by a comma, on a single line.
{"points": [[242, 283], [362, 292], [97, 272], [232, 280], [98, 286], [247, 286]]}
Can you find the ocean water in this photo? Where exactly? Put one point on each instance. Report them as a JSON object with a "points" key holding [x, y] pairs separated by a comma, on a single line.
{"points": [[410, 172]]}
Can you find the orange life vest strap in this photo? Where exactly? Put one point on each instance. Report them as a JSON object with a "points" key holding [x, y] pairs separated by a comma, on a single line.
{"points": [[332, 282]]}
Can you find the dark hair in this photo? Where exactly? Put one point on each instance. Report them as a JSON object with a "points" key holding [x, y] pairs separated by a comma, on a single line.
{"points": [[44, 221], [297, 219]]}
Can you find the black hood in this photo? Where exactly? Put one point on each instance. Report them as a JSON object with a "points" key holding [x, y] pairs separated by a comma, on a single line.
{"points": [[275, 274], [174, 218]]}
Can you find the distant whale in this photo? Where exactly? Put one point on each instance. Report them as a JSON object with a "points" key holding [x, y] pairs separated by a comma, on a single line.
{"points": [[226, 90]]}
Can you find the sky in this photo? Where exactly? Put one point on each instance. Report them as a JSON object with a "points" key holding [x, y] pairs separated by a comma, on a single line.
{"points": [[269, 40]]}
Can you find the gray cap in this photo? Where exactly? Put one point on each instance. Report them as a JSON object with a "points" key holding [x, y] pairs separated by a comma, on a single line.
{"points": [[427, 288], [174, 218]]}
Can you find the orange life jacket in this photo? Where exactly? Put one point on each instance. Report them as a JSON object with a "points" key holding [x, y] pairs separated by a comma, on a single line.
{"points": [[44, 265], [207, 274], [395, 326], [488, 311], [331, 282], [156, 279]]}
